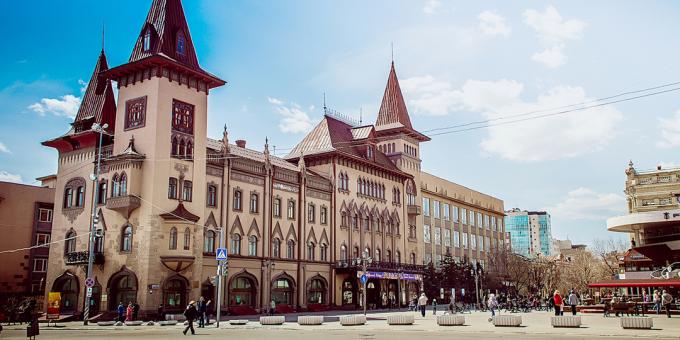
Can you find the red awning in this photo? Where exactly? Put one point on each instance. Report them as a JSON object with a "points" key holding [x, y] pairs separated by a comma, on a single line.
{"points": [[636, 283]]}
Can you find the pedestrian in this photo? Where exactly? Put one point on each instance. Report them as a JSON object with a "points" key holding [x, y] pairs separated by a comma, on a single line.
{"points": [[272, 307], [135, 311], [422, 303], [657, 301], [452, 306], [492, 304], [615, 301], [434, 306], [159, 312], [557, 299], [129, 311], [202, 308], [573, 301], [190, 313], [667, 300], [121, 311]]}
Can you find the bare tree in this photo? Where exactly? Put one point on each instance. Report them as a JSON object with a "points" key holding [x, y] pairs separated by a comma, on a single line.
{"points": [[608, 252]]}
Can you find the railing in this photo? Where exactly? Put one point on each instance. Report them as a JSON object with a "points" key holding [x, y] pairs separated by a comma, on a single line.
{"points": [[81, 257], [107, 151], [413, 209], [382, 265], [127, 203]]}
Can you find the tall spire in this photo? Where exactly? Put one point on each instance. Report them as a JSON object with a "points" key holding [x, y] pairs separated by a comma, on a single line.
{"points": [[393, 110], [98, 104]]}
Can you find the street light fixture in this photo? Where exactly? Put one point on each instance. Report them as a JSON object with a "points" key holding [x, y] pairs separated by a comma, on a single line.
{"points": [[364, 261], [100, 129], [476, 272]]}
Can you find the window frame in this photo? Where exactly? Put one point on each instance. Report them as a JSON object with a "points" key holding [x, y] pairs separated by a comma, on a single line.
{"points": [[49, 213]]}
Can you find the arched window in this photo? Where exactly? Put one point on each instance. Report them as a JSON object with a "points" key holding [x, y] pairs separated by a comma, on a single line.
{"points": [[242, 292], [68, 197], [388, 255], [212, 196], [190, 150], [209, 242], [126, 239], [123, 184], [277, 247], [70, 243], [80, 196], [397, 257], [175, 294], [252, 245], [116, 186], [316, 292], [343, 252], [173, 238], [254, 202], [187, 188], [175, 147], [290, 249], [147, 39], [282, 291], [324, 252], [310, 251], [182, 149], [181, 43], [356, 252], [237, 200], [377, 254], [236, 244], [187, 238], [413, 258]]}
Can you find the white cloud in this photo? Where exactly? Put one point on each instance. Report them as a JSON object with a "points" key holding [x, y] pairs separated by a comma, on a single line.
{"points": [[4, 148], [670, 131], [491, 23], [293, 118], [558, 136], [587, 204], [7, 177], [431, 6], [551, 27], [83, 86], [66, 106], [551, 57]]}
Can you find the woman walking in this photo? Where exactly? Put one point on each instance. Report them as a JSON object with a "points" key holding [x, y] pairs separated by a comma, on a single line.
{"points": [[130, 311], [492, 304], [557, 299]]}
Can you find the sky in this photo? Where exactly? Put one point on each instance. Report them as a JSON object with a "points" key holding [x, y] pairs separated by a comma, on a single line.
{"points": [[458, 63]]}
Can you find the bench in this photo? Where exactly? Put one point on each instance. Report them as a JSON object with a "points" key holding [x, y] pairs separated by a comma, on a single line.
{"points": [[272, 320], [566, 321], [352, 320], [310, 320], [637, 322], [238, 322], [168, 323], [507, 320], [451, 320], [400, 319], [106, 323]]}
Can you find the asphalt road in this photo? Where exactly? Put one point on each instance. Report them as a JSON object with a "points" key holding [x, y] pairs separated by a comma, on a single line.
{"points": [[283, 334]]}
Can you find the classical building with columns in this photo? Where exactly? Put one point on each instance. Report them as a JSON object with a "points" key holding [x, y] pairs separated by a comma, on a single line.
{"points": [[168, 196]]}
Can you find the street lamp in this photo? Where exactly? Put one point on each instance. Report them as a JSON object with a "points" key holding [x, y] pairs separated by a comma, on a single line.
{"points": [[90, 259], [476, 272], [364, 261]]}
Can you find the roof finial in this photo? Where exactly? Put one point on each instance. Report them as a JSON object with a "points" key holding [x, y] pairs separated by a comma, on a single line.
{"points": [[324, 102], [392, 45], [103, 35], [361, 115]]}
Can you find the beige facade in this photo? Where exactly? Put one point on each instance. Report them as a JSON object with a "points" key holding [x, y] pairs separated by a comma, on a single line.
{"points": [[168, 196]]}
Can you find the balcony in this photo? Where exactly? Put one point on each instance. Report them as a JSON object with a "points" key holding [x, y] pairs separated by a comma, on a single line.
{"points": [[382, 266], [413, 209], [81, 257], [123, 204]]}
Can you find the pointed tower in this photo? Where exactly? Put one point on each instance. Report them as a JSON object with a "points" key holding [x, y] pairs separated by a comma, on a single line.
{"points": [[97, 106]]}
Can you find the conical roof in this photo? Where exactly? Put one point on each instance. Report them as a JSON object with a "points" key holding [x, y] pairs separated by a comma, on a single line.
{"points": [[98, 102], [393, 112]]}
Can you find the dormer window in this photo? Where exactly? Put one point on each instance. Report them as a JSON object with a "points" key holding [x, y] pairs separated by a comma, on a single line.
{"points": [[147, 39], [181, 43], [369, 152]]}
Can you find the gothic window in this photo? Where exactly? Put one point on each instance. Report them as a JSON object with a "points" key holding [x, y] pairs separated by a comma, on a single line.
{"points": [[172, 188], [254, 203], [186, 191], [290, 249], [181, 43], [237, 200], [187, 238], [173, 239], [397, 257], [74, 193], [356, 252], [189, 150], [252, 245], [182, 117], [343, 253], [147, 39], [377, 254], [175, 147], [388, 256], [68, 197], [116, 186], [126, 239], [209, 242], [212, 196], [70, 243], [277, 247], [324, 252], [310, 251], [182, 149], [236, 244], [135, 113], [323, 216], [413, 258], [123, 184], [291, 209], [277, 207], [101, 192]]}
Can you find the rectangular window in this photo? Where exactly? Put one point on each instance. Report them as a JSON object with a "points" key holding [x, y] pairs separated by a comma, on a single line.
{"points": [[428, 258], [310, 213], [212, 196], [436, 211], [487, 243], [254, 203], [40, 265], [323, 216], [426, 233], [456, 239], [438, 235], [446, 212], [135, 113], [473, 242], [45, 215], [447, 237], [426, 206], [277, 207], [493, 223], [455, 213], [479, 220], [480, 242], [472, 218], [42, 239], [172, 188], [463, 215], [182, 117], [465, 240], [438, 260], [291, 210], [486, 221], [186, 191]]}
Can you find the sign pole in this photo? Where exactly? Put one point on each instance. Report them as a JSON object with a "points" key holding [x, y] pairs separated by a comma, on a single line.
{"points": [[221, 257]]}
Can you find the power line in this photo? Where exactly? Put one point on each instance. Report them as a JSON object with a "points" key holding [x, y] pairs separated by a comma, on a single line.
{"points": [[44, 245]]}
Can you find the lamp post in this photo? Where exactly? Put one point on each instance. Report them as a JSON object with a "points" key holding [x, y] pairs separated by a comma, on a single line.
{"points": [[474, 271], [364, 261], [90, 259]]}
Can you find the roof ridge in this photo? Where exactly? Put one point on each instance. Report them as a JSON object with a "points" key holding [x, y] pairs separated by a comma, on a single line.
{"points": [[393, 108]]}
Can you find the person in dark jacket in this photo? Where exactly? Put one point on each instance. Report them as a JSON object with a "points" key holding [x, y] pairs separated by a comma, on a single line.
{"points": [[202, 309], [135, 311], [121, 311], [190, 313]]}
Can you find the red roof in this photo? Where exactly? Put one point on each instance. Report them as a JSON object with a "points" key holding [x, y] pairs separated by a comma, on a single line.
{"points": [[180, 214], [675, 282], [393, 108], [98, 101]]}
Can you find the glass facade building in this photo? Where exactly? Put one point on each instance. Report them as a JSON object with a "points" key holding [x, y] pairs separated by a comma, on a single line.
{"points": [[530, 232]]}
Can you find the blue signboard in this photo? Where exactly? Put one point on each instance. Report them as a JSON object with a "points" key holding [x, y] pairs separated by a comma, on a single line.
{"points": [[364, 278], [221, 254]]}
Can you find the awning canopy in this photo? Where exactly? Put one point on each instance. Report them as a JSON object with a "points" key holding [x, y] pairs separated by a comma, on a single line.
{"points": [[675, 282]]}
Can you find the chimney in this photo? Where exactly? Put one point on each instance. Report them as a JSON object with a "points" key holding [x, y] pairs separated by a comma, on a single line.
{"points": [[658, 167], [241, 143]]}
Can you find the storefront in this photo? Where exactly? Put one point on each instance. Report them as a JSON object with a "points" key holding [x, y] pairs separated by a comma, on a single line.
{"points": [[386, 289]]}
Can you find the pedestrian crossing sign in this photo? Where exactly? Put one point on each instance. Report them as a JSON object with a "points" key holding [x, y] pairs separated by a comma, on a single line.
{"points": [[221, 254]]}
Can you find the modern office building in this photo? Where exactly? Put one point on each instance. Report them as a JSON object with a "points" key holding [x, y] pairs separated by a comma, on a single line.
{"points": [[530, 232]]}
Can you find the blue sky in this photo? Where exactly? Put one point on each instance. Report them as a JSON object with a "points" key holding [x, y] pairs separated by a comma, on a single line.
{"points": [[457, 61]]}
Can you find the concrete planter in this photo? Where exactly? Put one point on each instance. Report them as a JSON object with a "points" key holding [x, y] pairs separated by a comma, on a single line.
{"points": [[239, 322], [507, 320], [106, 323], [400, 319], [569, 321], [310, 320], [353, 320], [637, 322], [451, 320], [133, 323], [168, 323], [272, 320]]}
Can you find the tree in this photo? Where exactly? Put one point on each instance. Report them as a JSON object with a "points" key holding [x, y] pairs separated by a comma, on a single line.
{"points": [[608, 252]]}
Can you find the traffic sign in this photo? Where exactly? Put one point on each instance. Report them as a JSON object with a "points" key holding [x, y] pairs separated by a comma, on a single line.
{"points": [[221, 254], [89, 282], [364, 279], [89, 291]]}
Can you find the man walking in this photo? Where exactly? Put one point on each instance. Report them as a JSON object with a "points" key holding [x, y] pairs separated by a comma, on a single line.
{"points": [[422, 303], [202, 309], [190, 313], [573, 301], [121, 311], [667, 300]]}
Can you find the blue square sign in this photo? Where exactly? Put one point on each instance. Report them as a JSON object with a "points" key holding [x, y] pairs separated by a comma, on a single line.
{"points": [[221, 254]]}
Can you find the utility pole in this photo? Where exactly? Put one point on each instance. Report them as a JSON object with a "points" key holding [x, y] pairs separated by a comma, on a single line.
{"points": [[364, 261], [90, 259]]}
